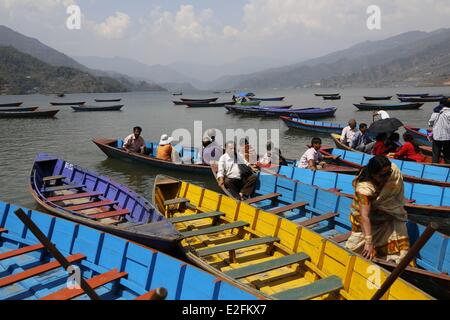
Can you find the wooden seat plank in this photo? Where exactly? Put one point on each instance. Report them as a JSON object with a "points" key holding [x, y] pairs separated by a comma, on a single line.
{"points": [[269, 196], [176, 201], [341, 238], [75, 196], [157, 294], [287, 208], [94, 283], [313, 290], [215, 229], [318, 219], [194, 217], [236, 246], [64, 187], [267, 265], [20, 251], [53, 178], [92, 205], [37, 270], [110, 214]]}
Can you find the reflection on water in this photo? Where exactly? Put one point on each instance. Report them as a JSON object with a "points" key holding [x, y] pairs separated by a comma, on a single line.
{"points": [[69, 136]]}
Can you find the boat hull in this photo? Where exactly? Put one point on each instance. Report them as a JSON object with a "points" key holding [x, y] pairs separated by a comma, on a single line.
{"points": [[378, 98], [209, 105], [108, 100], [419, 136], [199, 100], [97, 109], [12, 104], [376, 107], [306, 113], [28, 114], [67, 103], [311, 126], [267, 99]]}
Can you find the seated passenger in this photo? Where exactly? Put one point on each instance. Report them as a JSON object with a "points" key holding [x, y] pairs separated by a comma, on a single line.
{"points": [[165, 148], [134, 142]]}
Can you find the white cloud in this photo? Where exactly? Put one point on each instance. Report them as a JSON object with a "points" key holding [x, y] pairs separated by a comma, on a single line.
{"points": [[114, 27]]}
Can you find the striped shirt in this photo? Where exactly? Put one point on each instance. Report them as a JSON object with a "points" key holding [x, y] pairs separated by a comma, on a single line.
{"points": [[441, 125]]}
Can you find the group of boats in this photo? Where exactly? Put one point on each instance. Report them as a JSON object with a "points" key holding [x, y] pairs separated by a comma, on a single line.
{"points": [[407, 102], [13, 110]]}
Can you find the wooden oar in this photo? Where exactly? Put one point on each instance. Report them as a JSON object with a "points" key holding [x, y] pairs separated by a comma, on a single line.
{"points": [[53, 250], [412, 253]]}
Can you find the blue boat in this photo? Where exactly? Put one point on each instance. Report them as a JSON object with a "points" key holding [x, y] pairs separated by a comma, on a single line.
{"points": [[267, 99], [304, 113], [426, 200], [420, 135], [387, 106], [315, 126], [113, 149], [77, 194], [328, 213], [412, 171], [116, 268]]}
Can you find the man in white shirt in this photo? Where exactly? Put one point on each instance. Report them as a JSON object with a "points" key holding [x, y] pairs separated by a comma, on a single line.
{"points": [[349, 132], [440, 124], [312, 158], [382, 114], [231, 174], [134, 142]]}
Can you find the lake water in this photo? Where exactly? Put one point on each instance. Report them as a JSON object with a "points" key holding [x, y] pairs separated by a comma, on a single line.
{"points": [[70, 135]]}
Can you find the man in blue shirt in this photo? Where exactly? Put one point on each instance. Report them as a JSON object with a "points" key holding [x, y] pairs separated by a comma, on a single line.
{"points": [[361, 140]]}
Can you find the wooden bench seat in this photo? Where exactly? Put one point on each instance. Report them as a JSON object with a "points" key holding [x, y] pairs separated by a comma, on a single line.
{"points": [[53, 178], [92, 205], [176, 201], [289, 207], [75, 196], [64, 187], [110, 214], [316, 220], [157, 294], [215, 229], [267, 266], [270, 196], [194, 217], [20, 251], [236, 246], [6, 281], [94, 283], [341, 238], [313, 290]]}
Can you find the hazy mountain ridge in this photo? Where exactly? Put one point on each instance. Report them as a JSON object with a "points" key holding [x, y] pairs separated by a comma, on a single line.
{"points": [[355, 59]]}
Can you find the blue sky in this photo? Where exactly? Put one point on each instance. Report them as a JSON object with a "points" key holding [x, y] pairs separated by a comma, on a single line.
{"points": [[217, 31]]}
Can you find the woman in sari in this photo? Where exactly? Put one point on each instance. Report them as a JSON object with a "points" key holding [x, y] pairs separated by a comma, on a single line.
{"points": [[378, 215]]}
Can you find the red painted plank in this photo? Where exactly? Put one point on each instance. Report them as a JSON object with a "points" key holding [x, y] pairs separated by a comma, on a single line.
{"points": [[6, 281], [75, 196], [95, 282], [18, 252], [110, 214], [91, 205], [158, 294]]}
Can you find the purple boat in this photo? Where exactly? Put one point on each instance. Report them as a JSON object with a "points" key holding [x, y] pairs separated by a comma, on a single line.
{"points": [[304, 113], [231, 108], [71, 192]]}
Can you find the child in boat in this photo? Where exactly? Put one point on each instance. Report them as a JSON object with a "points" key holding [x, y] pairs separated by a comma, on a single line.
{"points": [[312, 158], [409, 151]]}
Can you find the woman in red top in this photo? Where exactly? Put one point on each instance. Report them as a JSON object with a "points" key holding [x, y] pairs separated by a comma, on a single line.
{"points": [[410, 150], [380, 147]]}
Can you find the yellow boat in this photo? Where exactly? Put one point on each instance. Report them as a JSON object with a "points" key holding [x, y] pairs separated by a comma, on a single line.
{"points": [[266, 254]]}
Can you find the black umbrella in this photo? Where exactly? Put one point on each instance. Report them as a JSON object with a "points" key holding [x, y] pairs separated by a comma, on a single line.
{"points": [[385, 125]]}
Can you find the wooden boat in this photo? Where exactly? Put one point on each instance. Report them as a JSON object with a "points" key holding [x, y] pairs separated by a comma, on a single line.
{"points": [[372, 98], [314, 126], [29, 114], [116, 268], [20, 109], [420, 135], [275, 256], [412, 171], [385, 106], [315, 201], [232, 109], [178, 103], [404, 95], [61, 95], [79, 195], [67, 103], [10, 104], [304, 113], [249, 103], [267, 99], [108, 100], [113, 149], [200, 100], [209, 105], [419, 99], [428, 159], [97, 108], [332, 98], [327, 95]]}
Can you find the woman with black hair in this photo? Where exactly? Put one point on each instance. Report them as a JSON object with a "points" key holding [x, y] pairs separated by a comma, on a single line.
{"points": [[409, 151], [378, 215]]}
